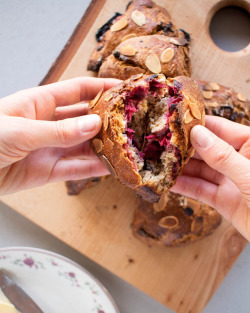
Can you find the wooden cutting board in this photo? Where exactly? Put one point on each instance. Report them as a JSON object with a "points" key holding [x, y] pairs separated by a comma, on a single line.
{"points": [[97, 222]]}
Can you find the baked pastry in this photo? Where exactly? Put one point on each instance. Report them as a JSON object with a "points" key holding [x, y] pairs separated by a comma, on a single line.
{"points": [[148, 55], [74, 187], [176, 220], [144, 140], [223, 101], [173, 221], [143, 17]]}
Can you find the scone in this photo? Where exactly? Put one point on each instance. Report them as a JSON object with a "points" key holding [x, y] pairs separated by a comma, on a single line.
{"points": [[173, 221], [148, 55], [223, 101], [144, 140], [143, 17]]}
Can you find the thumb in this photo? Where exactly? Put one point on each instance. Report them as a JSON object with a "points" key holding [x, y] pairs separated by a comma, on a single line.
{"points": [[30, 135], [222, 157]]}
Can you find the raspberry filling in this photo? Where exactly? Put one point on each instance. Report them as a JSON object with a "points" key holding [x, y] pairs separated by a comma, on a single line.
{"points": [[148, 109]]}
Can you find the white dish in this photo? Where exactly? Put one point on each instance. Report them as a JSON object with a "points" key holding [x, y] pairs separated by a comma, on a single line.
{"points": [[56, 283]]}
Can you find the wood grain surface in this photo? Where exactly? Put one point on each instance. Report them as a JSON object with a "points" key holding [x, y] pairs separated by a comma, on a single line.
{"points": [[97, 222]]}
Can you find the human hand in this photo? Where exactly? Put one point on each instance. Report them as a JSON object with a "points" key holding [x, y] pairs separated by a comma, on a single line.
{"points": [[44, 133], [217, 174]]}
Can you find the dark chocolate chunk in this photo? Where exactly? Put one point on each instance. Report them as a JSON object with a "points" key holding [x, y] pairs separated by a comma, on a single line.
{"points": [[186, 34]]}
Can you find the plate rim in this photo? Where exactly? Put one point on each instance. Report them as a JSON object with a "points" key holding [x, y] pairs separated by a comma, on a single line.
{"points": [[67, 260]]}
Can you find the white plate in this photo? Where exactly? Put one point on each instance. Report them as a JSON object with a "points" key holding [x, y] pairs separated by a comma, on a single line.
{"points": [[56, 283]]}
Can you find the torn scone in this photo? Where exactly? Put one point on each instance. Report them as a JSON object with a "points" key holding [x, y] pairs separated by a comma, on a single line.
{"points": [[148, 55], [144, 140]]}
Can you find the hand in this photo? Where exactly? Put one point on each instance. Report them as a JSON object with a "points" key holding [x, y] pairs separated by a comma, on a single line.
{"points": [[35, 148], [219, 175]]}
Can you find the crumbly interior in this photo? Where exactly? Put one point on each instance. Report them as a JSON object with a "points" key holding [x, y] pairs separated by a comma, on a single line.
{"points": [[148, 135]]}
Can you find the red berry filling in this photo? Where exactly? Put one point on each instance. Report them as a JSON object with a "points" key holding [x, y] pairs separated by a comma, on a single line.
{"points": [[147, 145]]}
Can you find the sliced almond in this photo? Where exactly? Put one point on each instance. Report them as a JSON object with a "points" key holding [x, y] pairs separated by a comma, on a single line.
{"points": [[153, 63], [193, 204], [161, 205], [98, 145], [241, 97], [197, 224], [169, 222], [128, 37], [195, 111], [167, 55], [212, 104], [108, 97], [138, 17], [211, 86], [190, 153], [203, 118], [178, 41], [120, 24], [208, 94], [188, 117], [108, 165], [110, 143], [106, 121], [96, 99], [137, 76], [127, 50]]}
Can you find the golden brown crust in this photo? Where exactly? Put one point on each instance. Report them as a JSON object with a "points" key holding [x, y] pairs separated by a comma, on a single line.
{"points": [[113, 154], [176, 221], [158, 21], [130, 58]]}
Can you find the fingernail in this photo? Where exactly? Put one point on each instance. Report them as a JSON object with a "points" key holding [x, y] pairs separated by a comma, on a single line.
{"points": [[201, 137], [88, 123]]}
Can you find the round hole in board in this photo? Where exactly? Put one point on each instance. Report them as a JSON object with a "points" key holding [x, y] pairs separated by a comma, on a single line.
{"points": [[230, 28]]}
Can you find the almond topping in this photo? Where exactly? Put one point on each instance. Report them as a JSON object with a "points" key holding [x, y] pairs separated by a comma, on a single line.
{"points": [[208, 94], [167, 55], [108, 165], [203, 120], [188, 117], [120, 24], [128, 37], [241, 97], [161, 204], [106, 121], [127, 50], [96, 99], [138, 17], [195, 111], [211, 86], [137, 76], [178, 41], [108, 97], [190, 153], [110, 143], [197, 224], [153, 63], [168, 222], [98, 145]]}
